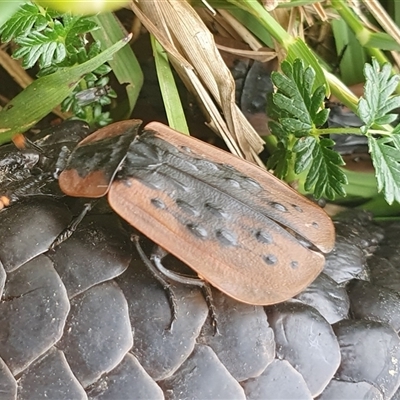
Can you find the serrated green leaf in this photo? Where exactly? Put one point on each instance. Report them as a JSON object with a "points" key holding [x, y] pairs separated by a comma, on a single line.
{"points": [[41, 46], [386, 119], [293, 106], [313, 173], [304, 82], [327, 142], [321, 118], [75, 28], [300, 110], [396, 130], [284, 84], [304, 150], [41, 23], [295, 98], [392, 103], [287, 69], [385, 153], [317, 100], [279, 161], [324, 177], [379, 86], [21, 23], [292, 125], [277, 130], [103, 70]]}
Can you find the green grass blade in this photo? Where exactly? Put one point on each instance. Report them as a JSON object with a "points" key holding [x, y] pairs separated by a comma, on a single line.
{"points": [[169, 91], [353, 54], [124, 64]]}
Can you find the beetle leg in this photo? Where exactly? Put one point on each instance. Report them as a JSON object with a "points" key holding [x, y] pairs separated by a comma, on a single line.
{"points": [[160, 277], [207, 293], [158, 254], [67, 233]]}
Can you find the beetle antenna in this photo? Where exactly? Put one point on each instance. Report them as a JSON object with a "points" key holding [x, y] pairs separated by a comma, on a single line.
{"points": [[158, 275], [67, 233], [22, 142]]}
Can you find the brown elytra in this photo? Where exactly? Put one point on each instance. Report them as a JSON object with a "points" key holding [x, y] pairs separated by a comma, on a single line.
{"points": [[235, 224]]}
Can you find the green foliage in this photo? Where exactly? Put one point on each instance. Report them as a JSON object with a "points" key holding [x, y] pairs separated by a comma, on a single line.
{"points": [[374, 108], [301, 113], [28, 18], [303, 145], [384, 145], [45, 93], [54, 41]]}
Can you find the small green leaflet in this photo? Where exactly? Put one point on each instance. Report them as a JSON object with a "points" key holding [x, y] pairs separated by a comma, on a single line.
{"points": [[324, 177], [43, 46], [384, 144], [22, 22], [377, 102], [300, 112], [42, 38], [386, 158]]}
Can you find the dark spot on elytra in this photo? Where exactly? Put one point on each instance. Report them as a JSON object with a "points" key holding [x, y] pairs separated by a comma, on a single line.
{"points": [[297, 208], [252, 182], [270, 259], [215, 210], [294, 264], [232, 182], [188, 208], [263, 237], [315, 224], [197, 230], [186, 148], [158, 203], [279, 207], [226, 237]]}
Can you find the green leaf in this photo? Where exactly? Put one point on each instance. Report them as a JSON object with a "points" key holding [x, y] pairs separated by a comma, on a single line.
{"points": [[322, 116], [169, 91], [42, 46], [396, 131], [277, 130], [280, 160], [53, 44], [296, 99], [22, 22], [75, 27], [324, 176], [304, 149], [385, 154], [298, 110], [299, 128], [376, 103], [8, 9], [125, 65]]}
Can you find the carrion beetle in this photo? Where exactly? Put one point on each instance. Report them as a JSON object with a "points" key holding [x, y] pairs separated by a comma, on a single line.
{"points": [[237, 226]]}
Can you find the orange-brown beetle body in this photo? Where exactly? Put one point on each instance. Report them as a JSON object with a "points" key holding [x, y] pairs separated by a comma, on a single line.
{"points": [[239, 227]]}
